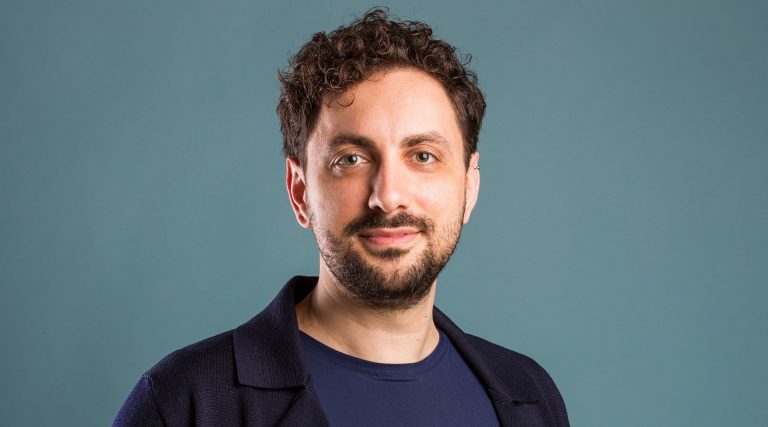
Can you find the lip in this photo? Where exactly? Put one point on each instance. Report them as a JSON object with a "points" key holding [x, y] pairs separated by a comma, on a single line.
{"points": [[389, 236]]}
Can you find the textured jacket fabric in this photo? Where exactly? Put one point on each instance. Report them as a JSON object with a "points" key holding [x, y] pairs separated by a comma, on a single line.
{"points": [[255, 375]]}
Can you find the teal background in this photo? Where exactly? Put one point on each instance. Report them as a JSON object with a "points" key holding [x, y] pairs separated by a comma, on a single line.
{"points": [[621, 236]]}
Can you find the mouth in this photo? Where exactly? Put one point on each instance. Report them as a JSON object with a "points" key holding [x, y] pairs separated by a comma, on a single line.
{"points": [[389, 237]]}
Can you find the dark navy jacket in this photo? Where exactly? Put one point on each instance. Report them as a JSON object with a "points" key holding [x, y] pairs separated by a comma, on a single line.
{"points": [[256, 375]]}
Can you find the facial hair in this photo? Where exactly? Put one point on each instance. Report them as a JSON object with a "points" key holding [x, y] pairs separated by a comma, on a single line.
{"points": [[371, 285]]}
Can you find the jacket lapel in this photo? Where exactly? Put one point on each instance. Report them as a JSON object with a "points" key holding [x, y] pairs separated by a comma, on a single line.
{"points": [[269, 356], [305, 410]]}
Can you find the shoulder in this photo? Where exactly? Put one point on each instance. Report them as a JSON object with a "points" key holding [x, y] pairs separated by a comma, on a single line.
{"points": [[507, 370], [166, 394], [502, 359], [202, 364], [511, 367]]}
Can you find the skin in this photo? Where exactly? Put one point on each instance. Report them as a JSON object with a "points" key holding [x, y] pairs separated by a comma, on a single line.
{"points": [[411, 159]]}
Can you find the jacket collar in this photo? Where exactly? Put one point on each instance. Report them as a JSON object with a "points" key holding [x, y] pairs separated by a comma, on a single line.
{"points": [[269, 354], [508, 381]]}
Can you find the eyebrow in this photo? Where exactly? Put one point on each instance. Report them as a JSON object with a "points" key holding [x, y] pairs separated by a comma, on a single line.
{"points": [[409, 141], [349, 139], [420, 138]]}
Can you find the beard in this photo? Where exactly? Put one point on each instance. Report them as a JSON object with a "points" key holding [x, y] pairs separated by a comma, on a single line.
{"points": [[406, 285]]}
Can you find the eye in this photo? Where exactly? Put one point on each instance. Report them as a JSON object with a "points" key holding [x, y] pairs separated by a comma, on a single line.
{"points": [[424, 157], [350, 160]]}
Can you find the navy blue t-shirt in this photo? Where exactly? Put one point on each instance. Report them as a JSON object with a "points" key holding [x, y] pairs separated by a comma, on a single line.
{"points": [[440, 390]]}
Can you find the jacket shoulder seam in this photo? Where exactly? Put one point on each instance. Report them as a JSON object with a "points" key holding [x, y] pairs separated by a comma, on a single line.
{"points": [[154, 399]]}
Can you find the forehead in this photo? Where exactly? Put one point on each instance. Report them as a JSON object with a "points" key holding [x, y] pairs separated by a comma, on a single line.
{"points": [[388, 108]]}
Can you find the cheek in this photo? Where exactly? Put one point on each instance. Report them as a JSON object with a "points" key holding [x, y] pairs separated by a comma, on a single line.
{"points": [[333, 205], [442, 194]]}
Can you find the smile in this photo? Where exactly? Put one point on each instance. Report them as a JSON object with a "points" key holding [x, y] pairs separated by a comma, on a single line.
{"points": [[387, 237]]}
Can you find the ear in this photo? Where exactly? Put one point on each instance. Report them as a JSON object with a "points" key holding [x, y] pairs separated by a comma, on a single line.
{"points": [[472, 185], [296, 184]]}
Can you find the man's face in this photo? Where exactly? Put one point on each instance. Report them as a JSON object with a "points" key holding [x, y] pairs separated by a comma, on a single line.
{"points": [[385, 189]]}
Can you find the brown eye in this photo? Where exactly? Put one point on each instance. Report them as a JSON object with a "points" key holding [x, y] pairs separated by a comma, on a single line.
{"points": [[424, 157], [349, 160]]}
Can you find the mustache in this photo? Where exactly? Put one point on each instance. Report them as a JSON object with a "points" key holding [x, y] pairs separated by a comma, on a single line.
{"points": [[379, 219]]}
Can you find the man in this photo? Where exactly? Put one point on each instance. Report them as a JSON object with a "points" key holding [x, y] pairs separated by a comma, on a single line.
{"points": [[380, 123]]}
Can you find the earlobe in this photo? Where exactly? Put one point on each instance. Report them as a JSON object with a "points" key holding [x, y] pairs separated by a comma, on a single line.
{"points": [[472, 189], [295, 183]]}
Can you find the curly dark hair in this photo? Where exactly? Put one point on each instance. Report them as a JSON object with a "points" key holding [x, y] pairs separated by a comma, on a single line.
{"points": [[331, 63]]}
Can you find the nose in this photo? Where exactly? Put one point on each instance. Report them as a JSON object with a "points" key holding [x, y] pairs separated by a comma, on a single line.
{"points": [[390, 187]]}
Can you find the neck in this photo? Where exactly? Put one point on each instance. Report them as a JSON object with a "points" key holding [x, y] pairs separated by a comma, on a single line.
{"points": [[332, 316]]}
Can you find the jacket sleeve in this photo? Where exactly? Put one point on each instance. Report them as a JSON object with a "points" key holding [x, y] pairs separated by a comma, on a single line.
{"points": [[140, 409]]}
